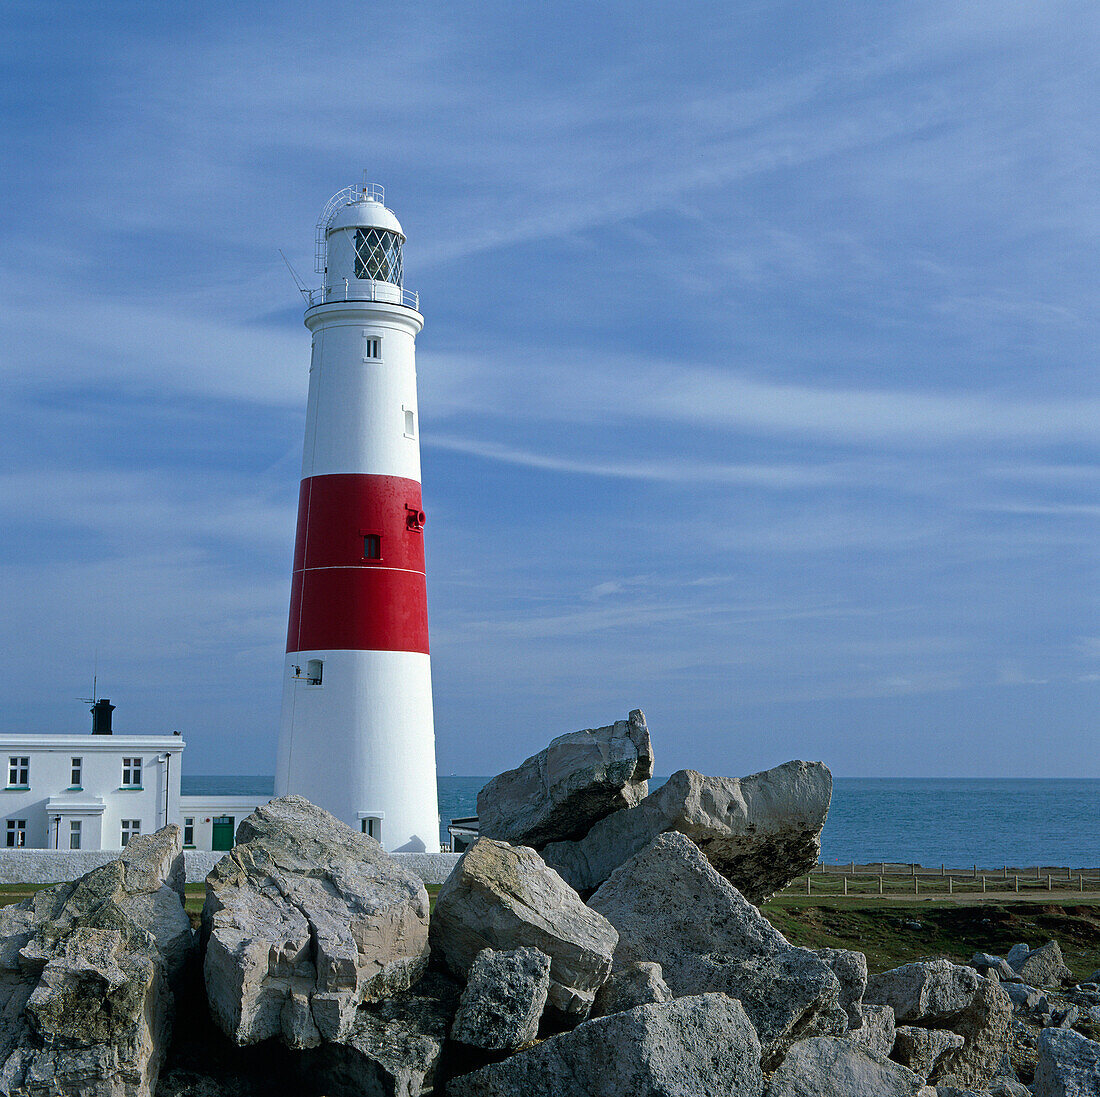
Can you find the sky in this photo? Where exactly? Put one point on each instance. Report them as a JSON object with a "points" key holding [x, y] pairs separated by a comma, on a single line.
{"points": [[757, 386]]}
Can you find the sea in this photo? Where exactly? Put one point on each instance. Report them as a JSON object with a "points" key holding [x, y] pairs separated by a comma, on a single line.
{"points": [[958, 822]]}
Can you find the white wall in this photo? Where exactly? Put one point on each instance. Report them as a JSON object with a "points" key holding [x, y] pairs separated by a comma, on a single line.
{"points": [[205, 809], [101, 803]]}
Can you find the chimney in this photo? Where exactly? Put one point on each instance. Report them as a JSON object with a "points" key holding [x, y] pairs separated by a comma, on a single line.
{"points": [[101, 716]]}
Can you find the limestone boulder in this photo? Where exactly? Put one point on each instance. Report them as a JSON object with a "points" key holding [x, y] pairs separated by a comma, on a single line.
{"points": [[503, 897], [503, 1000], [1017, 955], [1068, 1066], [570, 784], [671, 907], [829, 1067], [876, 1032], [392, 1047], [304, 920], [850, 968], [691, 1047], [86, 995], [760, 832], [985, 1025], [1044, 967], [920, 1049], [928, 991], [636, 984]]}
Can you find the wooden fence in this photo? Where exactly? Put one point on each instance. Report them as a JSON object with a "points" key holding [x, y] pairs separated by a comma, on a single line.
{"points": [[892, 879]]}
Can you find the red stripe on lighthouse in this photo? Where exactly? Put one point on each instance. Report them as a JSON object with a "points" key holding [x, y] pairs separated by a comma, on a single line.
{"points": [[342, 600]]}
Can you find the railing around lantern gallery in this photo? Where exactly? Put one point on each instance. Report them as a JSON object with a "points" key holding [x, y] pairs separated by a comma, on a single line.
{"points": [[365, 291]]}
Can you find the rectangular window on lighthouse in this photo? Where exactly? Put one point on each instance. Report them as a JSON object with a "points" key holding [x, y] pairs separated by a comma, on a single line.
{"points": [[372, 349], [372, 546]]}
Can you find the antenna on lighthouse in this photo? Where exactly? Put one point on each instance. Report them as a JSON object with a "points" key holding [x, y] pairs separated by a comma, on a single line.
{"points": [[297, 281]]}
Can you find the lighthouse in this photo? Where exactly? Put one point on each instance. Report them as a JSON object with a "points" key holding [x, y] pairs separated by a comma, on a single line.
{"points": [[356, 734]]}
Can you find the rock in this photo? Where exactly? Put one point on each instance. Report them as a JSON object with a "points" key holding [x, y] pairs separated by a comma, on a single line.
{"points": [[984, 1023], [304, 920], [85, 976], [1093, 979], [920, 1049], [1044, 967], [1007, 1087], [1017, 955], [760, 832], [954, 1091], [503, 897], [828, 1067], [1066, 1018], [671, 907], [850, 968], [691, 1047], [1021, 995], [392, 1047], [877, 1032], [503, 1000], [931, 990], [570, 784], [1069, 1065], [637, 984], [983, 963]]}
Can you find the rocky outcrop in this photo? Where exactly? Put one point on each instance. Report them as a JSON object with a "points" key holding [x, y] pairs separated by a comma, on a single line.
{"points": [[636, 984], [690, 1047], [850, 968], [928, 991], [1044, 967], [984, 1025], [760, 832], [87, 968], [827, 1067], [304, 920], [1069, 1065], [671, 907], [503, 897], [920, 1049], [570, 784], [877, 1031], [503, 1000], [392, 1047]]}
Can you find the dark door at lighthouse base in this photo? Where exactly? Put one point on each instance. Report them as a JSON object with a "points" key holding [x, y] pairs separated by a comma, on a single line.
{"points": [[223, 832]]}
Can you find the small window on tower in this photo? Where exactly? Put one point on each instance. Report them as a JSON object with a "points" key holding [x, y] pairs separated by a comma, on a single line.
{"points": [[315, 671], [372, 827], [410, 423], [372, 348], [372, 546]]}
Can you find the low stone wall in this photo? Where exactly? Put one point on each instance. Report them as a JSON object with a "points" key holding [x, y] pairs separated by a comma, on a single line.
{"points": [[52, 866]]}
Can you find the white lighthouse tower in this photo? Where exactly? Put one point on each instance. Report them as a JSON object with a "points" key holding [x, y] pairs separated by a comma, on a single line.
{"points": [[356, 735]]}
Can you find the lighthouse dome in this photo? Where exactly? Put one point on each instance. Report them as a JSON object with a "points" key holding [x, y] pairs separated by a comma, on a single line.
{"points": [[366, 212], [359, 247]]}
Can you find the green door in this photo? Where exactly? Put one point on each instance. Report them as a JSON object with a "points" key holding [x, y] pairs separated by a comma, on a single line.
{"points": [[223, 832]]}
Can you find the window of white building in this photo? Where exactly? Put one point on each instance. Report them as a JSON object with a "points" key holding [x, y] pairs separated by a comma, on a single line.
{"points": [[372, 349], [74, 834], [372, 827], [131, 828], [410, 423], [77, 776], [188, 831], [19, 772], [131, 773], [17, 833]]}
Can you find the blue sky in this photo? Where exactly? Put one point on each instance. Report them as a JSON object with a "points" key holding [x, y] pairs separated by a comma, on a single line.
{"points": [[757, 387]]}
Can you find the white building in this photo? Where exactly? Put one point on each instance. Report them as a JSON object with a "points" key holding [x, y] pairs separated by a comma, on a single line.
{"points": [[97, 791], [87, 791]]}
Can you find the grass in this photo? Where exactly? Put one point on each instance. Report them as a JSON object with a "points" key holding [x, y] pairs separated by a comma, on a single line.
{"points": [[896, 932]]}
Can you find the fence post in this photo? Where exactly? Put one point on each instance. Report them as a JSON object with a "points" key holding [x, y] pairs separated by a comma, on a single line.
{"points": [[943, 869], [1050, 882], [983, 885], [1016, 881], [950, 885], [880, 885], [916, 885], [807, 883], [845, 885]]}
